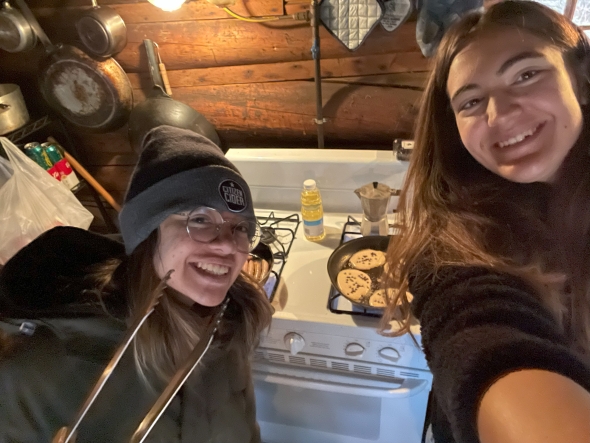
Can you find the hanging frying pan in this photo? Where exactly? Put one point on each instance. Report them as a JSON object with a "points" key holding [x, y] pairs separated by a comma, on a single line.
{"points": [[160, 109], [89, 93]]}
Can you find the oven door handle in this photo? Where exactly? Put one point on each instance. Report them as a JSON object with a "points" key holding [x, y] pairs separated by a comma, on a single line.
{"points": [[408, 388]]}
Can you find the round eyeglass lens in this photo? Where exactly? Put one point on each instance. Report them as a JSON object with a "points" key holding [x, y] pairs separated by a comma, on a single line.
{"points": [[204, 225]]}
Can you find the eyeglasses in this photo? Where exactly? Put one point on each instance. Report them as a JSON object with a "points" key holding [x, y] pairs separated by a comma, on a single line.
{"points": [[204, 225]]}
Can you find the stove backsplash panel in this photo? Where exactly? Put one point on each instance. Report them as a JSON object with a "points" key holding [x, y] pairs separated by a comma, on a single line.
{"points": [[276, 175]]}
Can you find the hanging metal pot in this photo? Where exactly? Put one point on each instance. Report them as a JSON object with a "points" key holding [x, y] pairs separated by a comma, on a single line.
{"points": [[15, 31], [13, 111], [102, 31], [160, 109]]}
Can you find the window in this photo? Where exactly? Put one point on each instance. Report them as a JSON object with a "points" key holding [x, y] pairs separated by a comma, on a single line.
{"points": [[577, 10]]}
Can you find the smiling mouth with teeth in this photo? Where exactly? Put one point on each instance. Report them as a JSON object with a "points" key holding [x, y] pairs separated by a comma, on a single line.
{"points": [[518, 138], [213, 269]]}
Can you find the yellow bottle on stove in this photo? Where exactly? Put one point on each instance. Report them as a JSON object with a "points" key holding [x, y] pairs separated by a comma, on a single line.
{"points": [[312, 211]]}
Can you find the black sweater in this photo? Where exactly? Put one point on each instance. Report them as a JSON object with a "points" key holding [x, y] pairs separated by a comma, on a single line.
{"points": [[476, 327]]}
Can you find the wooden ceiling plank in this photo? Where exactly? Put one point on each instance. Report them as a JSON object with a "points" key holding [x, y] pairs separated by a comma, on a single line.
{"points": [[144, 12], [289, 71]]}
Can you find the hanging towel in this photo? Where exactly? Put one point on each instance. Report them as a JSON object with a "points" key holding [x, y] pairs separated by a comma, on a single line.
{"points": [[436, 16]]}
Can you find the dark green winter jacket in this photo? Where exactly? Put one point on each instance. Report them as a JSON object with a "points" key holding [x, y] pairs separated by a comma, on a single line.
{"points": [[53, 348]]}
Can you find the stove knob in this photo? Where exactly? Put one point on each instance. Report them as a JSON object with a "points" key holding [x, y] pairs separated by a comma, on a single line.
{"points": [[294, 342], [354, 350], [390, 354]]}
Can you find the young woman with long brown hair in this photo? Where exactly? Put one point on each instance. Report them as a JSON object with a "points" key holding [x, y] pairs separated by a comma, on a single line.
{"points": [[495, 245], [67, 299]]}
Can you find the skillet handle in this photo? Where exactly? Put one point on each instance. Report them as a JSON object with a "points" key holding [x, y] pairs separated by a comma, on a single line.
{"points": [[35, 25], [163, 72], [153, 65]]}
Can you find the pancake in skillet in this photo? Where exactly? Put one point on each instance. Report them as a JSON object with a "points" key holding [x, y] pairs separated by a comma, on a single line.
{"points": [[353, 284], [367, 259]]}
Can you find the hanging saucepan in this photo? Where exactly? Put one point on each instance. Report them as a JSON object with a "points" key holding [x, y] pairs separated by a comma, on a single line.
{"points": [[89, 93], [102, 31], [13, 110], [160, 109], [340, 260], [15, 32]]}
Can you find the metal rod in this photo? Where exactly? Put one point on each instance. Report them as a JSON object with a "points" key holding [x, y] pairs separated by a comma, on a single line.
{"points": [[315, 52], [65, 434], [179, 379]]}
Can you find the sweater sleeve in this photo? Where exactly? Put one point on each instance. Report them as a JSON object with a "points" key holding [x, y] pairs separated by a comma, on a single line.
{"points": [[477, 326]]}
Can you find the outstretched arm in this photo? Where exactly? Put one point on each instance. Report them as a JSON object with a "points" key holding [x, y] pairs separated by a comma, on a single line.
{"points": [[496, 352], [533, 406]]}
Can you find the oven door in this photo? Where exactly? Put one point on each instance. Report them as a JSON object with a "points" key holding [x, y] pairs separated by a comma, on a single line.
{"points": [[307, 405]]}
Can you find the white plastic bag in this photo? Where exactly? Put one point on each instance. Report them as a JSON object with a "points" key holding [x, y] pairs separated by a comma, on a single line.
{"points": [[6, 171], [32, 202]]}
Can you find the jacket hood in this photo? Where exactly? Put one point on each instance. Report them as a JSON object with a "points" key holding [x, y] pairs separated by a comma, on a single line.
{"points": [[32, 283]]}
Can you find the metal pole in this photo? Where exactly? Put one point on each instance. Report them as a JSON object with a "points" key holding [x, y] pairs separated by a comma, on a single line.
{"points": [[315, 52]]}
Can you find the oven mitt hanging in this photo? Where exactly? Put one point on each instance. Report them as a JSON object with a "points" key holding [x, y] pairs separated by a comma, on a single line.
{"points": [[351, 21], [436, 16], [396, 12]]}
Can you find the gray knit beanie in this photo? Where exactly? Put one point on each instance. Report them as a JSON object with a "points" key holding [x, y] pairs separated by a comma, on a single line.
{"points": [[179, 170]]}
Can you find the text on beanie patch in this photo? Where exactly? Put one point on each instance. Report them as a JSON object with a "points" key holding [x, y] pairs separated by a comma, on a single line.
{"points": [[233, 195]]}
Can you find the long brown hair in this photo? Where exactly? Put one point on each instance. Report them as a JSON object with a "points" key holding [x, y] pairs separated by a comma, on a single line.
{"points": [[455, 212], [174, 328]]}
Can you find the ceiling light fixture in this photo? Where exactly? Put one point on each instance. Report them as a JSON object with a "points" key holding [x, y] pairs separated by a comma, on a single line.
{"points": [[167, 5]]}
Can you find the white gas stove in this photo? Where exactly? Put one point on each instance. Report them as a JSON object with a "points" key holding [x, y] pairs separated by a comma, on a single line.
{"points": [[323, 373]]}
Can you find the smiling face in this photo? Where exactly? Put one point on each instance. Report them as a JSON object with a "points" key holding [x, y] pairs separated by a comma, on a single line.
{"points": [[203, 272], [515, 104]]}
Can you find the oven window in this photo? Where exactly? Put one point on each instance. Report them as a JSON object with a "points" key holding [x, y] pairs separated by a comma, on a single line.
{"points": [[332, 412]]}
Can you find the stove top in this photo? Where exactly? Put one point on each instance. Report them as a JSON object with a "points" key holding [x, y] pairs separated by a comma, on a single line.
{"points": [[303, 326], [301, 303]]}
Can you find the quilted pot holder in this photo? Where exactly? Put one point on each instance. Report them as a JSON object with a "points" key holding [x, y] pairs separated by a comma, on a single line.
{"points": [[396, 12], [351, 21]]}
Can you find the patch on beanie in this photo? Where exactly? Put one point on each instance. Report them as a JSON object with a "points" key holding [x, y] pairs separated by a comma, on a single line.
{"points": [[233, 195]]}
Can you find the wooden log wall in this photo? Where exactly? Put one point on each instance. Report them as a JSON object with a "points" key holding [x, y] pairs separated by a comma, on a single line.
{"points": [[253, 81]]}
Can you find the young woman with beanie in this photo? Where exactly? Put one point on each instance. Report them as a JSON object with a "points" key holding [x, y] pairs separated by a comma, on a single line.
{"points": [[67, 299], [495, 247]]}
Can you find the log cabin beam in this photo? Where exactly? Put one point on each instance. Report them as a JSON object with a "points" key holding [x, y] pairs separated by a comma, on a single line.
{"points": [[288, 71], [144, 12], [214, 43], [281, 114]]}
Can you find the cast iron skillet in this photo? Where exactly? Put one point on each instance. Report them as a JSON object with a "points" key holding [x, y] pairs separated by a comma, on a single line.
{"points": [[91, 93], [161, 109], [339, 261]]}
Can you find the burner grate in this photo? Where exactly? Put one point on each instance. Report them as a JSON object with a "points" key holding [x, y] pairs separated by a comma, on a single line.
{"points": [[278, 233]]}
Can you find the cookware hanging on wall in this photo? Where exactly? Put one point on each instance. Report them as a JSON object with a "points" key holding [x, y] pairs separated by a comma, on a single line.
{"points": [[15, 31], [102, 30], [89, 93], [160, 109], [13, 111]]}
